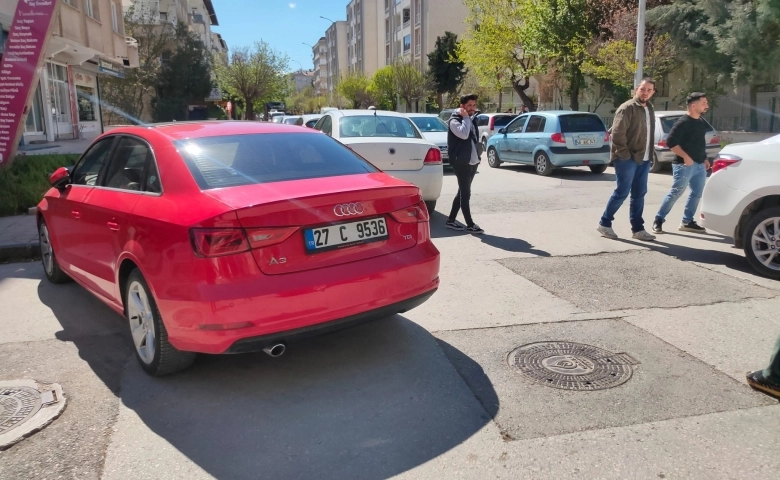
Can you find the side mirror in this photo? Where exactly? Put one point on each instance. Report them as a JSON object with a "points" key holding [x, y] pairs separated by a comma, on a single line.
{"points": [[60, 178], [502, 131]]}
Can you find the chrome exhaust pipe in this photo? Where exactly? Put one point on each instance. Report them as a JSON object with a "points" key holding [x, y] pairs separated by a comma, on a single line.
{"points": [[276, 350]]}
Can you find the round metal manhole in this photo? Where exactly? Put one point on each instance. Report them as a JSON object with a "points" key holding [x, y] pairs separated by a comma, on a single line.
{"points": [[26, 407], [572, 366]]}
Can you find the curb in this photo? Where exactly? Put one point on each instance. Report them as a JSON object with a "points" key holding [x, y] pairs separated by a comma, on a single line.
{"points": [[20, 252]]}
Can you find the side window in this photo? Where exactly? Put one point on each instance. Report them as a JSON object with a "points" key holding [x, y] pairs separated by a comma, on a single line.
{"points": [[318, 125], [482, 121], [128, 170], [327, 125], [535, 124], [517, 125], [92, 163]]}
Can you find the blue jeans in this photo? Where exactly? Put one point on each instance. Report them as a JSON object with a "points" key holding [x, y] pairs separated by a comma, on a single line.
{"points": [[695, 176], [631, 178]]}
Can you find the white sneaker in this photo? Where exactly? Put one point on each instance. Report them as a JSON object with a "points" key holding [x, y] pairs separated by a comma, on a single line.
{"points": [[607, 232], [644, 236]]}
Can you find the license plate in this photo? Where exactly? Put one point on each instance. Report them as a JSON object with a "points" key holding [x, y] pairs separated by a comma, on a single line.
{"points": [[345, 234], [585, 141]]}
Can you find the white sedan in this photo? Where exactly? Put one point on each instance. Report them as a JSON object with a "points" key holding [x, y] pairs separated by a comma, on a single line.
{"points": [[433, 129], [742, 200], [392, 143]]}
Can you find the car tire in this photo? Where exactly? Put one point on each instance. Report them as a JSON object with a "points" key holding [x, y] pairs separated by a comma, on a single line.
{"points": [[430, 205], [147, 329], [543, 165], [598, 169], [493, 159], [767, 218], [48, 258], [656, 166]]}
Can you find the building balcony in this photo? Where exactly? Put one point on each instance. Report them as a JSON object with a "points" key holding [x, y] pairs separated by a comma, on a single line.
{"points": [[407, 23], [417, 18], [417, 50]]}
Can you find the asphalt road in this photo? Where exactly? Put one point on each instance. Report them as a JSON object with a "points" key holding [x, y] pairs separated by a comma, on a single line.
{"points": [[431, 393]]}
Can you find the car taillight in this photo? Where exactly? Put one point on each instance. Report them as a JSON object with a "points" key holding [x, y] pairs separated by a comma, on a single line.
{"points": [[216, 242], [715, 140], [607, 137], [492, 124], [558, 138], [265, 237], [433, 157], [414, 214], [724, 161], [662, 143]]}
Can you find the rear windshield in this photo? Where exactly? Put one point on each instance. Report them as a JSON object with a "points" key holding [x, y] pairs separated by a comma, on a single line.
{"points": [[503, 120], [430, 124], [581, 123], [668, 122], [377, 126], [229, 161]]}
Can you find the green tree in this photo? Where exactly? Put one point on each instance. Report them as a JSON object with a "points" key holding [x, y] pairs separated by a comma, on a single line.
{"points": [[254, 75], [383, 86], [412, 84], [184, 79], [446, 69], [354, 87], [736, 40]]}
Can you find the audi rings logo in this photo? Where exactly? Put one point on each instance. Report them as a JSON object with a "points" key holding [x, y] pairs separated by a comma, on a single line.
{"points": [[348, 209]]}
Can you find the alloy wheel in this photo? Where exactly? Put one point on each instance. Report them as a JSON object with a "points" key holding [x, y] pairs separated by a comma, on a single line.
{"points": [[141, 317], [46, 250], [765, 243], [541, 163]]}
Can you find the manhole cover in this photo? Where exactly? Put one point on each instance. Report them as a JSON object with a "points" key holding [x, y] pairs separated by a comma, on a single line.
{"points": [[572, 366], [26, 407]]}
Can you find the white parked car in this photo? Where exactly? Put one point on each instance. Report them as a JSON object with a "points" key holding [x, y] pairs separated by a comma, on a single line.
{"points": [[433, 129], [392, 143], [742, 200]]}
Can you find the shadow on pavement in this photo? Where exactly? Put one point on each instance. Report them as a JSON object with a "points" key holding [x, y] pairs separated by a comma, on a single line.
{"points": [[367, 402], [514, 245], [572, 174]]}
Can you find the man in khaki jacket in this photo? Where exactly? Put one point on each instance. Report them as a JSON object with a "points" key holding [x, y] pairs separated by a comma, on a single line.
{"points": [[632, 148]]}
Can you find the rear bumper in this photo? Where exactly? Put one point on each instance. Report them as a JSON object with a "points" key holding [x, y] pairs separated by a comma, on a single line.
{"points": [[428, 179], [256, 344], [576, 158], [665, 155], [274, 306]]}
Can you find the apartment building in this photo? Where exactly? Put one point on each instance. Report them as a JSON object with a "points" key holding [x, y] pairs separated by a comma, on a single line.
{"points": [[320, 59], [88, 39], [336, 54], [362, 38], [302, 79]]}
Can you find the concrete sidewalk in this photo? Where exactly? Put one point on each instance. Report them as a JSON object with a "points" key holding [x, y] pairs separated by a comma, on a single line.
{"points": [[19, 238]]}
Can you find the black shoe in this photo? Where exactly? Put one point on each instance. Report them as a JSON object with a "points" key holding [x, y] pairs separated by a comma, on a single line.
{"points": [[475, 229], [455, 225], [692, 227], [759, 382], [658, 226]]}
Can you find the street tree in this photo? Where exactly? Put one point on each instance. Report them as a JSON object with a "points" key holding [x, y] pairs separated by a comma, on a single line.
{"points": [[255, 75], [412, 84], [497, 48], [733, 40], [184, 79], [446, 69], [355, 88], [125, 100], [384, 88]]}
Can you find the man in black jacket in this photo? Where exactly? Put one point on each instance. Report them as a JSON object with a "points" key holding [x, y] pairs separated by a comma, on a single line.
{"points": [[464, 150], [689, 167]]}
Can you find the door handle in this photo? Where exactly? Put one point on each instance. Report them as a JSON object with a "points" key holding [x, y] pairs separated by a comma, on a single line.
{"points": [[75, 214], [113, 226]]}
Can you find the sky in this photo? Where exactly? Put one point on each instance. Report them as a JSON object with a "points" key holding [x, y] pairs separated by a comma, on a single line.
{"points": [[283, 24]]}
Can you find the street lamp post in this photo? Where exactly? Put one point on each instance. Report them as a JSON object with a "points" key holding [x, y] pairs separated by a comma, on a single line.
{"points": [[640, 44]]}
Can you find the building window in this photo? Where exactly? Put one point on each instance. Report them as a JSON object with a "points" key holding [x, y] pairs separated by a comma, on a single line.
{"points": [[86, 103], [91, 9], [72, 3], [34, 123], [165, 57], [407, 43], [407, 17], [163, 16], [114, 18]]}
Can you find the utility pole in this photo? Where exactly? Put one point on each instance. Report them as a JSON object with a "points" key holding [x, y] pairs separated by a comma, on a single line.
{"points": [[640, 43]]}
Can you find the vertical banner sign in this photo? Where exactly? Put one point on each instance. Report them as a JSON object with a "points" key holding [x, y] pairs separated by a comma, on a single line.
{"points": [[24, 55]]}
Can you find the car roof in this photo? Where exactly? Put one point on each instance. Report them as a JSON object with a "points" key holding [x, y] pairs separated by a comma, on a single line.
{"points": [[355, 113], [670, 113], [422, 115], [498, 113], [212, 128], [309, 116], [558, 113]]}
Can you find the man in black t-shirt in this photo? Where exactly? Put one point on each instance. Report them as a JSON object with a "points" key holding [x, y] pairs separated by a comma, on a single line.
{"points": [[689, 168]]}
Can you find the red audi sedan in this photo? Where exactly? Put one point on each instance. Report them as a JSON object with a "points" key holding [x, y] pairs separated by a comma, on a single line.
{"points": [[230, 237]]}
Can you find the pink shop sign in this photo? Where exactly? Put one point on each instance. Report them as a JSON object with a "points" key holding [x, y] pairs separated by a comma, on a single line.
{"points": [[26, 44]]}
